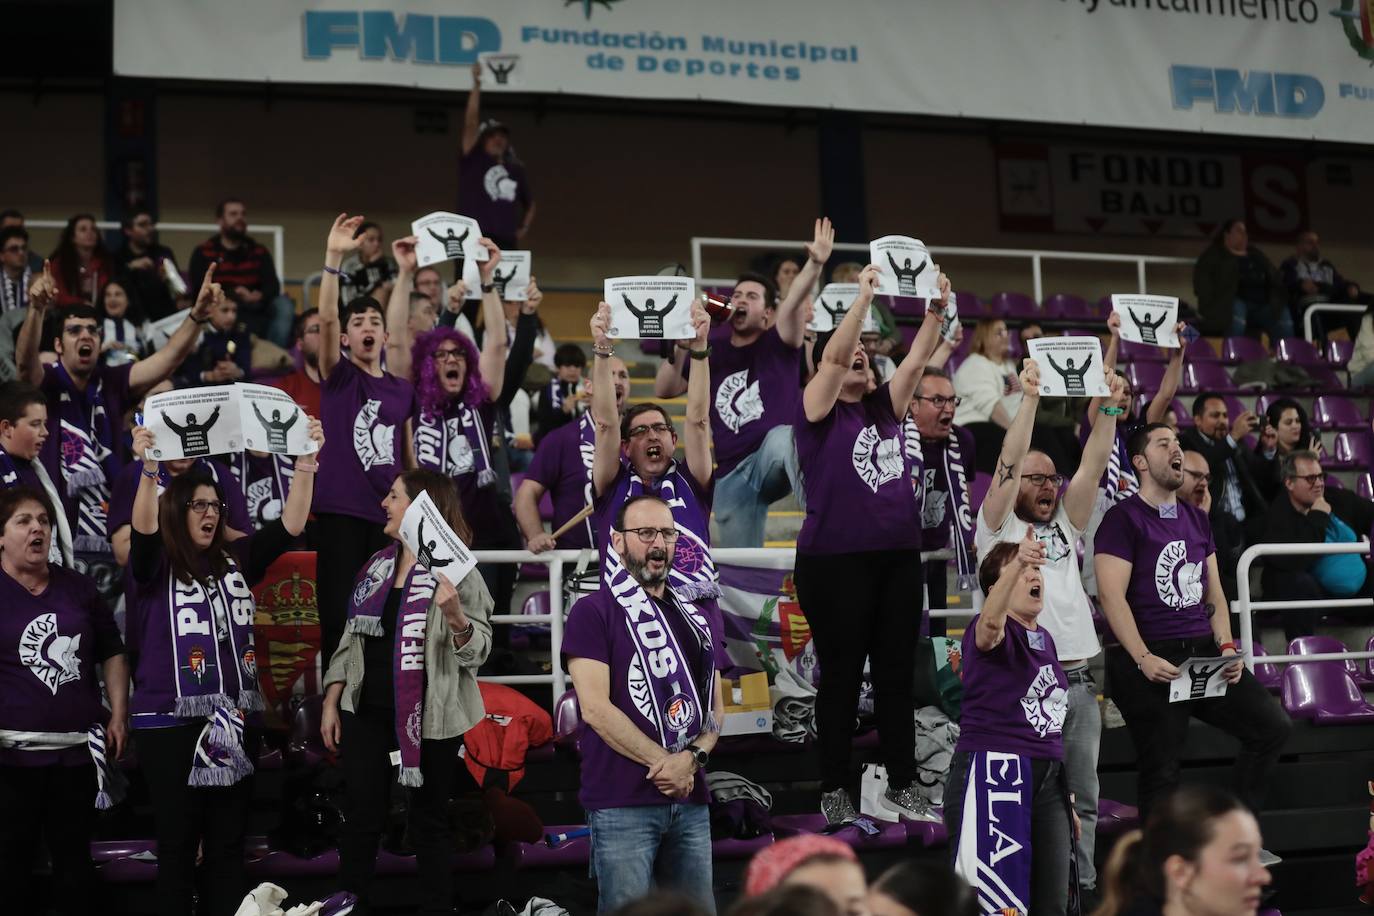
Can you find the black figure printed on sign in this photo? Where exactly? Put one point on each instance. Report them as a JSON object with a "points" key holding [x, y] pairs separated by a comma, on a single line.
{"points": [[1198, 677], [194, 435], [500, 280], [425, 556], [1073, 376], [276, 428], [1149, 328], [836, 312], [906, 275], [650, 317], [453, 244], [501, 71]]}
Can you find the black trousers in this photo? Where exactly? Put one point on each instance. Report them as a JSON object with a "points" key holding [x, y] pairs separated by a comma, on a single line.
{"points": [[54, 806], [368, 740], [1158, 728], [859, 606], [211, 819], [345, 544], [937, 581]]}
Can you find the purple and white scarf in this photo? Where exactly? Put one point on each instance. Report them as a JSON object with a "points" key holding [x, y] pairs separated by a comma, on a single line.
{"points": [[14, 294], [1119, 472], [110, 781], [60, 551], [958, 494], [694, 574], [88, 458], [438, 446], [660, 675], [220, 759], [265, 482], [586, 450], [408, 657]]}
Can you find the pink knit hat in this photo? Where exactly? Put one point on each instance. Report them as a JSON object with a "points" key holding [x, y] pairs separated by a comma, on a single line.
{"points": [[772, 864]]}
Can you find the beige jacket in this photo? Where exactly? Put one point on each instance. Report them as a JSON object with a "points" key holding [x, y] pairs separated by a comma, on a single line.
{"points": [[453, 703]]}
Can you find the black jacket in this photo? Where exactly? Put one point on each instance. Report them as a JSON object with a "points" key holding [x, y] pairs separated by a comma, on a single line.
{"points": [[1286, 525]]}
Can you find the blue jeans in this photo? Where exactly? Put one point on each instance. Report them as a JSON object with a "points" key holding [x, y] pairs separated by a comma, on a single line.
{"points": [[1277, 325], [634, 848], [1082, 739], [742, 497]]}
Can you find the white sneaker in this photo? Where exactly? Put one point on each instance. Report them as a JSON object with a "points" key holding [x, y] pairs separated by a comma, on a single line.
{"points": [[910, 805]]}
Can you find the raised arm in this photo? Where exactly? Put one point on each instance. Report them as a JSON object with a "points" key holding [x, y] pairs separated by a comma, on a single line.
{"points": [[908, 375], [1168, 386], [42, 292], [668, 380], [791, 322], [492, 360], [605, 418], [472, 115], [696, 436], [398, 337], [295, 512], [1113, 577], [1081, 495], [992, 619], [144, 518], [337, 245], [1108, 360], [1006, 482], [818, 398], [163, 362], [527, 497]]}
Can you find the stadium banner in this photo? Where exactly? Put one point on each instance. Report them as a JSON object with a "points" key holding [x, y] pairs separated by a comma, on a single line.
{"points": [[1277, 68]]}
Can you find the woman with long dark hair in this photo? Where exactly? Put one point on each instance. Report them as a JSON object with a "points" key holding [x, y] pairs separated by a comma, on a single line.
{"points": [[123, 323], [80, 263], [191, 626], [404, 682], [1287, 428]]}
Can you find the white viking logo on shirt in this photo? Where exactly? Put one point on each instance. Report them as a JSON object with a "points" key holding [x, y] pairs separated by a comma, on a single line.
{"points": [[877, 460], [738, 402], [263, 506], [498, 184], [50, 656], [460, 458], [1046, 703], [1178, 582], [373, 443], [640, 694]]}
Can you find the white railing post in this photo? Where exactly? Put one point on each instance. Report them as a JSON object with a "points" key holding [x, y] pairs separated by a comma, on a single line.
{"points": [[560, 684], [1140, 275], [1037, 279]]}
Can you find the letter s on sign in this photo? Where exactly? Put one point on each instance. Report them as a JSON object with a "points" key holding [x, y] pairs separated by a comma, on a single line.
{"points": [[1276, 198]]}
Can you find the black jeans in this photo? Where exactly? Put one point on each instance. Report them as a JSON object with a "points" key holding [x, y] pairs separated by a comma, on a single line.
{"points": [[860, 605], [54, 805], [346, 542], [186, 818], [1051, 831], [368, 740], [1158, 728], [937, 580]]}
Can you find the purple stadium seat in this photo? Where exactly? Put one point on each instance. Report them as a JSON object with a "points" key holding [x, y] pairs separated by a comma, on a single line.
{"points": [[889, 836], [1133, 352], [1334, 483], [1268, 674], [574, 852], [907, 306], [1068, 306], [739, 849], [1206, 377], [1014, 346], [1103, 308], [537, 603], [1369, 662], [979, 489], [1314, 645], [1338, 352], [567, 719], [1202, 351], [1297, 350], [1145, 377], [1115, 818], [955, 361], [305, 747], [1336, 412], [1364, 486], [971, 308], [1353, 450], [1242, 350], [1015, 306], [1325, 693], [1324, 378]]}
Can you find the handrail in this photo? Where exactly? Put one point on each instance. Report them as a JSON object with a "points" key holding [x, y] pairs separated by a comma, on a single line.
{"points": [[1307, 328], [277, 232], [1036, 256], [1245, 607]]}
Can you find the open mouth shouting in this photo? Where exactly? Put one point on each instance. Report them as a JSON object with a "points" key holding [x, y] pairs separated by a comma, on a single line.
{"points": [[654, 452], [35, 546], [85, 351], [369, 342], [1035, 592]]}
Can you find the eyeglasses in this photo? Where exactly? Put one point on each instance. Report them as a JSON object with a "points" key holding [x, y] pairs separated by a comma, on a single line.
{"points": [[1199, 475], [649, 535], [1039, 479], [446, 354], [202, 506], [940, 402], [76, 330], [637, 432], [1312, 479]]}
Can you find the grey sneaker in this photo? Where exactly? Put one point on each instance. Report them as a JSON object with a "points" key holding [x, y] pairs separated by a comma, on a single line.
{"points": [[1111, 716], [837, 807], [1269, 859], [910, 805]]}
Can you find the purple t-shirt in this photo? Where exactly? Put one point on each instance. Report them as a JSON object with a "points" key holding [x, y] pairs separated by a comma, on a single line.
{"points": [[1167, 593], [126, 488], [47, 673], [596, 630], [73, 448], [753, 389], [364, 430], [495, 192], [937, 509], [1015, 696], [857, 478], [560, 467]]}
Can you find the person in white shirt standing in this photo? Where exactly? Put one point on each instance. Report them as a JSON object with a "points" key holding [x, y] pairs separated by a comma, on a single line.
{"points": [[1025, 493]]}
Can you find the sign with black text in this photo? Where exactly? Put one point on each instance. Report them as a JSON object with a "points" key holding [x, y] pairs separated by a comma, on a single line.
{"points": [[1070, 367], [651, 308], [435, 545]]}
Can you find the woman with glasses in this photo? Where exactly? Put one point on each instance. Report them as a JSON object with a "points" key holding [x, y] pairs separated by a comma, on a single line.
{"points": [[403, 683], [190, 627], [858, 570]]}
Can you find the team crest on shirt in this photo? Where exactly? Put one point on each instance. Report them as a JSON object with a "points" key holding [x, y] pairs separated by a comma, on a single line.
{"points": [[374, 444], [378, 574], [460, 458], [876, 460], [738, 401], [51, 656], [1046, 703], [1178, 582]]}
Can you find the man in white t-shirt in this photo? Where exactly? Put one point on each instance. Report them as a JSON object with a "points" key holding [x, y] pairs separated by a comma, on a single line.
{"points": [[1025, 492]]}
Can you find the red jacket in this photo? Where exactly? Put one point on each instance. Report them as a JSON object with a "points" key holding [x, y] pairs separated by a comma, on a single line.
{"points": [[495, 747]]}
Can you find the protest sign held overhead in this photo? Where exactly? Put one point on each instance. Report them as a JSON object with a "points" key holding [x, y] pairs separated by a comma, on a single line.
{"points": [[194, 422], [512, 275], [1070, 367], [443, 236], [272, 421], [905, 267], [651, 308], [1148, 319]]}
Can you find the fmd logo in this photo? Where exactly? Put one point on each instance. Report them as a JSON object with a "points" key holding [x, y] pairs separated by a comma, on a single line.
{"points": [[383, 35], [1256, 92]]}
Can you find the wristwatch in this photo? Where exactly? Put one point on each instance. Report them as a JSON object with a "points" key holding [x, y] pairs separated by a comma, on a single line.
{"points": [[701, 757]]}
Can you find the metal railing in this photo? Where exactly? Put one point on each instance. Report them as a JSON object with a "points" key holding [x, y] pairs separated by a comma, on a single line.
{"points": [[1245, 607], [277, 233], [1338, 307], [1035, 256]]}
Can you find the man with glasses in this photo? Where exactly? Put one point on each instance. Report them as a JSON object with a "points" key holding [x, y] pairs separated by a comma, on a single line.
{"points": [[943, 490], [1197, 481], [147, 266], [1025, 494], [15, 273], [645, 666], [1306, 512]]}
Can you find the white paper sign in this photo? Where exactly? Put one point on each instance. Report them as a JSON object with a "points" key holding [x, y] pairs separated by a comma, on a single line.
{"points": [[472, 279], [501, 71], [1200, 678], [435, 545], [651, 308], [442, 236], [1070, 367], [272, 421], [512, 275], [834, 300], [905, 267], [194, 422], [1148, 319]]}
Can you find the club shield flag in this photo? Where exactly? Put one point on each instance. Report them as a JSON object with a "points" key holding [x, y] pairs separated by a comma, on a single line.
{"points": [[286, 634], [765, 629]]}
